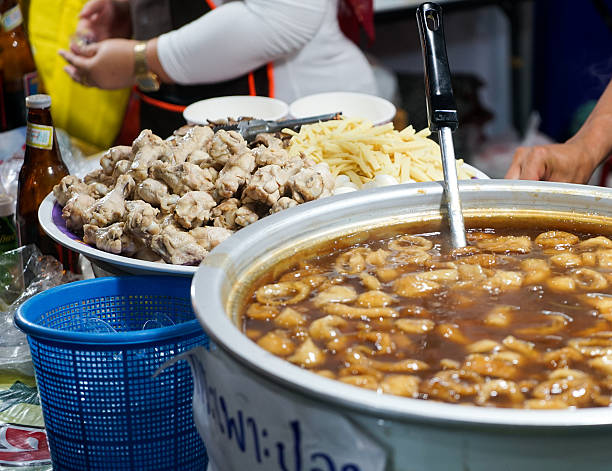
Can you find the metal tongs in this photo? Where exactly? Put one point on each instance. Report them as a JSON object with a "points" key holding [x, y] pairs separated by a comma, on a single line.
{"points": [[250, 128], [441, 108]]}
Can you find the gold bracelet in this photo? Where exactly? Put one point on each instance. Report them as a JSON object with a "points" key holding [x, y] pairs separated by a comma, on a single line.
{"points": [[146, 80]]}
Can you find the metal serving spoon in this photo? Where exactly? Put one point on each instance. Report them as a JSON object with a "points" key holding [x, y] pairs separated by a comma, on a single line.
{"points": [[441, 108]]}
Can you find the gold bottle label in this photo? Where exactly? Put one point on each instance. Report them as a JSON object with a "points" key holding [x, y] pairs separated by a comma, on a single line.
{"points": [[11, 19], [40, 136]]}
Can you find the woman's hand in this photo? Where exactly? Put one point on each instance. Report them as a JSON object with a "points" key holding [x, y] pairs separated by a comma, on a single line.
{"points": [[104, 19], [107, 64], [576, 160], [568, 162]]}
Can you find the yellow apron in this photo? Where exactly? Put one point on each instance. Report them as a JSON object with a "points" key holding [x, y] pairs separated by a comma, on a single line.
{"points": [[92, 115]]}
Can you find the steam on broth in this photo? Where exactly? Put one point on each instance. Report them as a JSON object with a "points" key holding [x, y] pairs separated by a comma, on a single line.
{"points": [[522, 317]]}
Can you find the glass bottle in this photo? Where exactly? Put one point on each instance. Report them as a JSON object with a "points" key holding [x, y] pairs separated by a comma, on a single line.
{"points": [[19, 77], [42, 168]]}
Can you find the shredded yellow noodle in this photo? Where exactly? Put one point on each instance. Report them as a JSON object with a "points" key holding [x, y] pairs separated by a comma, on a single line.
{"points": [[360, 150]]}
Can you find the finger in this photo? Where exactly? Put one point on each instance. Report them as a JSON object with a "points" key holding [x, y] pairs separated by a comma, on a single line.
{"points": [[75, 74], [533, 166], [74, 59], [91, 8], [81, 48], [514, 171]]}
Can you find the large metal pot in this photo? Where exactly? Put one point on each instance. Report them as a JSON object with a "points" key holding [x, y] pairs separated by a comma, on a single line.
{"points": [[295, 420]]}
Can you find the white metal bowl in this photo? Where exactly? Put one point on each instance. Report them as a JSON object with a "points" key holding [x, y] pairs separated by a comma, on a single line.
{"points": [[347, 424], [235, 107], [352, 105]]}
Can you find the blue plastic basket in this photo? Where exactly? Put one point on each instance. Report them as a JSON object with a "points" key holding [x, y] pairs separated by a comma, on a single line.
{"points": [[103, 409]]}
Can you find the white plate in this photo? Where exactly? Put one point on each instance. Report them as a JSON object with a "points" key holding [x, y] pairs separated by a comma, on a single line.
{"points": [[352, 105], [236, 106], [50, 217]]}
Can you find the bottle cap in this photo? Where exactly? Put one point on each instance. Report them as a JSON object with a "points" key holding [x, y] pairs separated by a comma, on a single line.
{"points": [[6, 205], [38, 101]]}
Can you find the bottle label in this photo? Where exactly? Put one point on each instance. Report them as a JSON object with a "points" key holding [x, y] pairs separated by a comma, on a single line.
{"points": [[30, 83], [40, 136], [11, 19]]}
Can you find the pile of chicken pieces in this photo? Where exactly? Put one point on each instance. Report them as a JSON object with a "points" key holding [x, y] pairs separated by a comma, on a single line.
{"points": [[174, 200]]}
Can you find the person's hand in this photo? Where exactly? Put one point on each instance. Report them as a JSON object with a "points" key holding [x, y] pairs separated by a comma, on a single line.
{"points": [[104, 19], [108, 64], [568, 162]]}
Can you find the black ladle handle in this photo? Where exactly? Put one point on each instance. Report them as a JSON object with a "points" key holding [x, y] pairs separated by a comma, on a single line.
{"points": [[441, 106]]}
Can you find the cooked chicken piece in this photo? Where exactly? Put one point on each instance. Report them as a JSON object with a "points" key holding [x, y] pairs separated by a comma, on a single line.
{"points": [[94, 176], [183, 177], [109, 160], [98, 176], [77, 211], [182, 130], [225, 144], [111, 208], [67, 188], [111, 239], [293, 165], [121, 168], [140, 220], [267, 184], [268, 140], [98, 190], [235, 173], [311, 183], [270, 156], [209, 237], [152, 191], [193, 209], [246, 214], [196, 139], [177, 246], [210, 173], [168, 203], [200, 158], [148, 148], [166, 219], [283, 203], [224, 214]]}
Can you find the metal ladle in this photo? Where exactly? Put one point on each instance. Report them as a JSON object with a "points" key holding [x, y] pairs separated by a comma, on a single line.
{"points": [[441, 108]]}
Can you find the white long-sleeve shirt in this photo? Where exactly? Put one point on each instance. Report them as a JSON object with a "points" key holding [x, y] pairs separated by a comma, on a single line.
{"points": [[302, 38]]}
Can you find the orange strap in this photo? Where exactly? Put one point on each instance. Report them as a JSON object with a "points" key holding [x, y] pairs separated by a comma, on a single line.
{"points": [[251, 79], [270, 72], [159, 103]]}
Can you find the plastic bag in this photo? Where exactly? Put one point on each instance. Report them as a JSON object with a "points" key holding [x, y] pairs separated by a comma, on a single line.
{"points": [[12, 146], [24, 272]]}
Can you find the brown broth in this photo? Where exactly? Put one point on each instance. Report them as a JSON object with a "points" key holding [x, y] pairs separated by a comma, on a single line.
{"points": [[535, 361]]}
